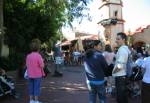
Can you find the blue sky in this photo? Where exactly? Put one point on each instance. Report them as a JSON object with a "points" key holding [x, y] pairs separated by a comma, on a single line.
{"points": [[135, 13]]}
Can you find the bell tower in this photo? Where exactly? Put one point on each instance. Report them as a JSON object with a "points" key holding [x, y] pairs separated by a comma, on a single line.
{"points": [[111, 19]]}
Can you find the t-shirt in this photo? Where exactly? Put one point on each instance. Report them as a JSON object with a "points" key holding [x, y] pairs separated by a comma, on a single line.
{"points": [[35, 65], [146, 66], [121, 61]]}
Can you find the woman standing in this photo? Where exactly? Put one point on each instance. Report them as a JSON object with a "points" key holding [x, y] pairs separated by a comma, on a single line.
{"points": [[35, 65], [109, 56], [146, 79]]}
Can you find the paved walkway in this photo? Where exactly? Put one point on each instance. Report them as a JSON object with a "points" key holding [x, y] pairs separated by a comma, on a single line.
{"points": [[71, 88]]}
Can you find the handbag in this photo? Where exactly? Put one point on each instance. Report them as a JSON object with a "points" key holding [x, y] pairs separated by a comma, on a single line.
{"points": [[26, 74]]}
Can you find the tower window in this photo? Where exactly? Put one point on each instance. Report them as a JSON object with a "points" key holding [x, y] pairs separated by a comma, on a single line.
{"points": [[115, 13], [104, 0]]}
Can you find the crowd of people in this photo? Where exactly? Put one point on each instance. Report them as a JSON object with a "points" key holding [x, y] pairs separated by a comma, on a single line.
{"points": [[105, 67], [106, 71]]}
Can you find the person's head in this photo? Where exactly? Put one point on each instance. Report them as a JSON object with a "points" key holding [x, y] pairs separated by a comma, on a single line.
{"points": [[35, 45], [108, 48], [121, 38], [93, 45], [98, 45]]}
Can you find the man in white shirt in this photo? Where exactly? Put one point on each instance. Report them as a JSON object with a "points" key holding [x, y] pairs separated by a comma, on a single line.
{"points": [[145, 94], [119, 71]]}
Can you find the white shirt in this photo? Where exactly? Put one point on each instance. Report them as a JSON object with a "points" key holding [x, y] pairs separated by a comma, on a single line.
{"points": [[146, 66], [139, 62], [121, 61]]}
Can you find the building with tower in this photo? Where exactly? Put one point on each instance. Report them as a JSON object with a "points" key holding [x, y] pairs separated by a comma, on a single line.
{"points": [[111, 19]]}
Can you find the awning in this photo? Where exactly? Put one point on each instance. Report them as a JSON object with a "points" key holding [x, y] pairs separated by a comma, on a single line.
{"points": [[65, 43], [90, 37]]}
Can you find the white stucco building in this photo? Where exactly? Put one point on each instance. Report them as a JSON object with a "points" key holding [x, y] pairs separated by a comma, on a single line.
{"points": [[142, 35], [111, 19]]}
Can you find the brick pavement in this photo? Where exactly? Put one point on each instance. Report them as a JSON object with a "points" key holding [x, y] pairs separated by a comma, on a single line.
{"points": [[71, 88]]}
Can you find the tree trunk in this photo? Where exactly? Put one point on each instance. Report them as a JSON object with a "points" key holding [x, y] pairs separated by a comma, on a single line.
{"points": [[1, 26]]}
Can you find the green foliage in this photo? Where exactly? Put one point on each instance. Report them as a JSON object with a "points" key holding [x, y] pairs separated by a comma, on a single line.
{"points": [[28, 19]]}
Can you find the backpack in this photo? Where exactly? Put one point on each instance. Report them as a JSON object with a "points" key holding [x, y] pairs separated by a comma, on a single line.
{"points": [[129, 66], [137, 74]]}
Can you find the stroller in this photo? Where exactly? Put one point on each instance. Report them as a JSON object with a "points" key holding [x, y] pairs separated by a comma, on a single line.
{"points": [[6, 85]]}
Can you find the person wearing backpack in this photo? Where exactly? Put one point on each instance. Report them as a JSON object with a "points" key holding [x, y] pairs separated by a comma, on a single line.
{"points": [[120, 68]]}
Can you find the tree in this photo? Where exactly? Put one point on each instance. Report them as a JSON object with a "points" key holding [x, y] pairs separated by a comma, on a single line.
{"points": [[43, 19], [1, 25]]}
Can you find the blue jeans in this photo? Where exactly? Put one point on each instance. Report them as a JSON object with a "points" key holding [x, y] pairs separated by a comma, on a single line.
{"points": [[94, 90], [34, 86]]}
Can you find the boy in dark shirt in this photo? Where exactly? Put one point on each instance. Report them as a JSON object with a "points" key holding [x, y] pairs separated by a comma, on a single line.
{"points": [[95, 67]]}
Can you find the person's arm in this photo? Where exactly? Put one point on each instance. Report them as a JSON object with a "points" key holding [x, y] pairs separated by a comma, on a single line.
{"points": [[116, 69]]}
